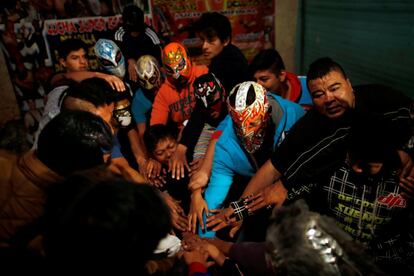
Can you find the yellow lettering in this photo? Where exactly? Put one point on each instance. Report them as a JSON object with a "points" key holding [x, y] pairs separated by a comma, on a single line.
{"points": [[367, 217], [339, 207]]}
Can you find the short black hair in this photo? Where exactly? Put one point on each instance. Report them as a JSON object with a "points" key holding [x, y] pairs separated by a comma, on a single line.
{"points": [[74, 140], [71, 45], [101, 220], [133, 19], [156, 133], [213, 24], [323, 66], [93, 90], [268, 59]]}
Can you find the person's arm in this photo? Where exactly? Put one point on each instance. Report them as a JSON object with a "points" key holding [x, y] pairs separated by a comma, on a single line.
{"points": [[141, 148], [134, 143], [193, 129], [133, 76], [264, 189], [140, 106], [266, 175], [220, 182], [189, 137], [200, 179], [115, 82], [120, 165]]}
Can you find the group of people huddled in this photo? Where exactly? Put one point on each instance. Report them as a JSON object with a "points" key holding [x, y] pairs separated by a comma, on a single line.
{"points": [[158, 165]]}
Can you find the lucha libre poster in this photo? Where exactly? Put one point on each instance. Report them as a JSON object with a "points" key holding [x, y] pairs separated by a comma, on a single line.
{"points": [[87, 29], [252, 22], [31, 32]]}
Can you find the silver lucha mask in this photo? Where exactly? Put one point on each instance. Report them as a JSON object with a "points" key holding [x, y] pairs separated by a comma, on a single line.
{"points": [[110, 57]]}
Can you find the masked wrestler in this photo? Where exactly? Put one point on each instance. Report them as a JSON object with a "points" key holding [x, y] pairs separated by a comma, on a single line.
{"points": [[257, 123]]}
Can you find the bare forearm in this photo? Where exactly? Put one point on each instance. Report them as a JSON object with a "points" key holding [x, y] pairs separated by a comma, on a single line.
{"points": [[142, 154], [80, 76], [265, 176], [134, 142]]}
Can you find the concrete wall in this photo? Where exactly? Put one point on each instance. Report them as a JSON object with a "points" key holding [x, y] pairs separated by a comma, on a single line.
{"points": [[8, 104], [286, 30]]}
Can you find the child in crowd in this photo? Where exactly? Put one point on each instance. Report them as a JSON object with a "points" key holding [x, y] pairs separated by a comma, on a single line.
{"points": [[268, 69], [161, 143]]}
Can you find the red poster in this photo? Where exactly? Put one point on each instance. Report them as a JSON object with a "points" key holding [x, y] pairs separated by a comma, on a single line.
{"points": [[252, 21]]}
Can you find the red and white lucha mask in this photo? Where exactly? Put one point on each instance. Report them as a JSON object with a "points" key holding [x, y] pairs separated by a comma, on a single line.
{"points": [[248, 107]]}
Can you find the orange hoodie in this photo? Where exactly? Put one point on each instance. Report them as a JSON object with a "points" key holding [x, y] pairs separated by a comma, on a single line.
{"points": [[174, 105]]}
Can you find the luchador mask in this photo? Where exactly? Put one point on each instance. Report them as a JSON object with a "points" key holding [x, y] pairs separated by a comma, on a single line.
{"points": [[110, 57], [210, 92], [177, 64], [248, 107], [149, 76], [122, 113]]}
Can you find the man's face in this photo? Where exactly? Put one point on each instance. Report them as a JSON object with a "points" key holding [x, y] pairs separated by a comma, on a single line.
{"points": [[269, 80], [76, 61], [367, 168], [105, 112], [212, 47], [332, 94]]}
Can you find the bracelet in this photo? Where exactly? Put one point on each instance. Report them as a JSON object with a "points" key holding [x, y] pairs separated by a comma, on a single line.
{"points": [[240, 210]]}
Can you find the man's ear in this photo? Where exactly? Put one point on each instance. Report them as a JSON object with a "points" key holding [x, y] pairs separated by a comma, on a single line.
{"points": [[62, 62], [349, 82], [226, 41], [282, 76]]}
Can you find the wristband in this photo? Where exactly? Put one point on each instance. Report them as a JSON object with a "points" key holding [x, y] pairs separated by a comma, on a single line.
{"points": [[240, 209]]}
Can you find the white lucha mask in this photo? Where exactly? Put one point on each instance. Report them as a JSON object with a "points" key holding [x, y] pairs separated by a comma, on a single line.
{"points": [[149, 76]]}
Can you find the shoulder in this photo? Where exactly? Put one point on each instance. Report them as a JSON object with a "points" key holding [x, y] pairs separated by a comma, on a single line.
{"points": [[166, 87], [200, 70], [166, 93], [228, 136], [152, 35], [233, 51], [139, 96], [55, 99], [285, 104], [377, 97], [230, 56]]}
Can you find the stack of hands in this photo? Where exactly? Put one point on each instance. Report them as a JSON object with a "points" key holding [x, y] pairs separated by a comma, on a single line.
{"points": [[205, 251]]}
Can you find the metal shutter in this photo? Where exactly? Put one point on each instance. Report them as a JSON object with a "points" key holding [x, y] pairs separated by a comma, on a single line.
{"points": [[372, 40]]}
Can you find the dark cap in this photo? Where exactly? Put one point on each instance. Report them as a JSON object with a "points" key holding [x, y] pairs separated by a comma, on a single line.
{"points": [[133, 19]]}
